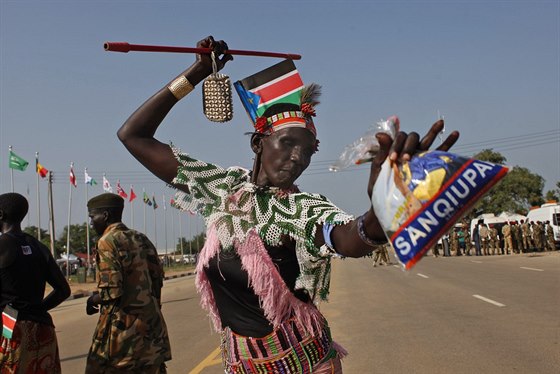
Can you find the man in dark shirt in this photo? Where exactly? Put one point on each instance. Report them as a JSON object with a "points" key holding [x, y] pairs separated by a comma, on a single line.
{"points": [[26, 265]]}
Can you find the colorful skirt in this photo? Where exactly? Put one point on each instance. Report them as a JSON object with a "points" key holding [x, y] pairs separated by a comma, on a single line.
{"points": [[289, 349], [33, 349]]}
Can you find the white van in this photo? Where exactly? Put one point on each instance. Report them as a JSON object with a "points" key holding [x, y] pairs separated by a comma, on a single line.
{"points": [[548, 212]]}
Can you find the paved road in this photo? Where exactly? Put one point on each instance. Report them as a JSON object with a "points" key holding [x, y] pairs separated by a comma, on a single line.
{"points": [[496, 314]]}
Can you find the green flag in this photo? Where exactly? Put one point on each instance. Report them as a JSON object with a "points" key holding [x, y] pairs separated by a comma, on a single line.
{"points": [[17, 162]]}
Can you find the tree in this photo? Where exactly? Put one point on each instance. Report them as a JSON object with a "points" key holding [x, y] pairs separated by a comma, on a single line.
{"points": [[78, 235], [553, 194], [45, 237], [516, 193], [194, 245]]}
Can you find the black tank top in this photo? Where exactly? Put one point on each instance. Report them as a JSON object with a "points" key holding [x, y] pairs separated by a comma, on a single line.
{"points": [[236, 301], [24, 264]]}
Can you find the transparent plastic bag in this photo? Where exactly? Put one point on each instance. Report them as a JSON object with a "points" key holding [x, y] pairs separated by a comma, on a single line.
{"points": [[364, 148], [418, 201]]}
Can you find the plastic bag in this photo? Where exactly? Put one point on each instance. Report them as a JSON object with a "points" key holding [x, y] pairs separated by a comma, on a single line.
{"points": [[418, 201], [364, 149]]}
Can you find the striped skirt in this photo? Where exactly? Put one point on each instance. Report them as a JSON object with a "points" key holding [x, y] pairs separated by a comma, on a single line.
{"points": [[289, 349]]}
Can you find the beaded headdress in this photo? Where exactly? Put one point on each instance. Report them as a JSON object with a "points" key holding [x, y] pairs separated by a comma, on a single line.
{"points": [[276, 98]]}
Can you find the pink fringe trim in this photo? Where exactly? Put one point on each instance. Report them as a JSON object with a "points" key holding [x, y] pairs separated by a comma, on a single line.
{"points": [[277, 301], [340, 349], [207, 301]]}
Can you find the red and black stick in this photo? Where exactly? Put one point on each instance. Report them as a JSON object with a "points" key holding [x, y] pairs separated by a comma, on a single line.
{"points": [[126, 47]]}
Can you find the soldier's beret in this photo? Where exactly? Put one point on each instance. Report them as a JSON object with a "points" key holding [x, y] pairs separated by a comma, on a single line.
{"points": [[105, 200]]}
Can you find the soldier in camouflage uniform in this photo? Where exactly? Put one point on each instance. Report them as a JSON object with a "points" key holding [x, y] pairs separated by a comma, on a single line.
{"points": [[517, 239], [494, 240], [508, 243], [484, 238], [131, 335], [550, 237], [526, 235], [537, 235]]}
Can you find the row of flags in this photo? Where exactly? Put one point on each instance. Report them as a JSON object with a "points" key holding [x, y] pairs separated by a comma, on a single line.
{"points": [[18, 163]]}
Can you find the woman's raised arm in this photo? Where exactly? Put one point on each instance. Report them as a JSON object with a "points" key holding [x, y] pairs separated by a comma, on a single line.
{"points": [[137, 133]]}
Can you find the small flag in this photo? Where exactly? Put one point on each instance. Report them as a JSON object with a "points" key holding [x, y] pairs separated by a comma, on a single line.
{"points": [[146, 199], [278, 83], [120, 191], [41, 170], [89, 180], [132, 194], [154, 201], [9, 318], [106, 185], [17, 162], [172, 203], [72, 176]]}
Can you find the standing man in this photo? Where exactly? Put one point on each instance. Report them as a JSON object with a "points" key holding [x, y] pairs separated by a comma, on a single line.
{"points": [[508, 241], [526, 235], [484, 238], [29, 344], [550, 237], [494, 240], [131, 335], [476, 238]]}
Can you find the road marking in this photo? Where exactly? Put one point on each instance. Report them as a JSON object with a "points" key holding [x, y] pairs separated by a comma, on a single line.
{"points": [[489, 300], [397, 266], [422, 275], [523, 267], [212, 359], [476, 262]]}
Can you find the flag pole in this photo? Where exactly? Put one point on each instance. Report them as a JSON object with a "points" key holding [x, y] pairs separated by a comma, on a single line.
{"points": [[38, 199], [11, 171], [68, 228], [131, 209], [144, 194], [181, 234], [174, 248], [155, 221], [87, 225], [165, 224], [190, 236], [51, 213]]}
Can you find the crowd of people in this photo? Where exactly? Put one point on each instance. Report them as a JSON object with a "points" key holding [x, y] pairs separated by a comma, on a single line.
{"points": [[512, 237]]}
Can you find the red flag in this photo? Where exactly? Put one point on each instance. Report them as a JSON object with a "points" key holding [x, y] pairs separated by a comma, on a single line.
{"points": [[41, 170], [132, 194], [72, 176], [120, 191]]}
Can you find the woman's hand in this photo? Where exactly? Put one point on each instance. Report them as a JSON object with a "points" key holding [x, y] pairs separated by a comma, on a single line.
{"points": [[404, 146], [203, 64]]}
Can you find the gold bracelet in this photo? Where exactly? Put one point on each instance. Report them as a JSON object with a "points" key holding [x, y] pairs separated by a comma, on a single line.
{"points": [[180, 87]]}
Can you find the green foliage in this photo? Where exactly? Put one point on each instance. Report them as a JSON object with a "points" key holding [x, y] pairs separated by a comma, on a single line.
{"points": [[191, 246], [516, 193], [78, 241], [45, 237]]}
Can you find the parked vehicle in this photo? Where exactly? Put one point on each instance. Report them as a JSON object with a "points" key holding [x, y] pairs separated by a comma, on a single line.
{"points": [[547, 212], [74, 265]]}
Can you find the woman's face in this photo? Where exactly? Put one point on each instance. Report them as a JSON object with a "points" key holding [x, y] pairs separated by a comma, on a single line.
{"points": [[284, 156]]}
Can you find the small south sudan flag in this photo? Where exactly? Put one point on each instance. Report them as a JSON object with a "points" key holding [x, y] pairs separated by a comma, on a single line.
{"points": [[280, 83], [9, 318]]}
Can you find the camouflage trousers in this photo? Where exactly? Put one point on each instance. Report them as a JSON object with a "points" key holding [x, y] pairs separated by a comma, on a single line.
{"points": [[95, 366]]}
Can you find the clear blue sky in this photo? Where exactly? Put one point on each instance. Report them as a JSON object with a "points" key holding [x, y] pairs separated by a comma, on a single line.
{"points": [[491, 68]]}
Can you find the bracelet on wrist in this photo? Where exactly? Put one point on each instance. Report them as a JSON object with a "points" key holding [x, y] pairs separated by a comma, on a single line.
{"points": [[363, 235], [180, 87]]}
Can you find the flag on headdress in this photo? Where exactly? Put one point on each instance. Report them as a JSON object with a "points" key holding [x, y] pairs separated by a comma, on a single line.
{"points": [[172, 203], [41, 170], [132, 194], [278, 83], [154, 201], [146, 199], [72, 176], [89, 180], [106, 185], [17, 162], [120, 191]]}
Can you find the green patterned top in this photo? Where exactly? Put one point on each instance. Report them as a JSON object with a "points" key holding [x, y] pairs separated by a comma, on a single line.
{"points": [[233, 205]]}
